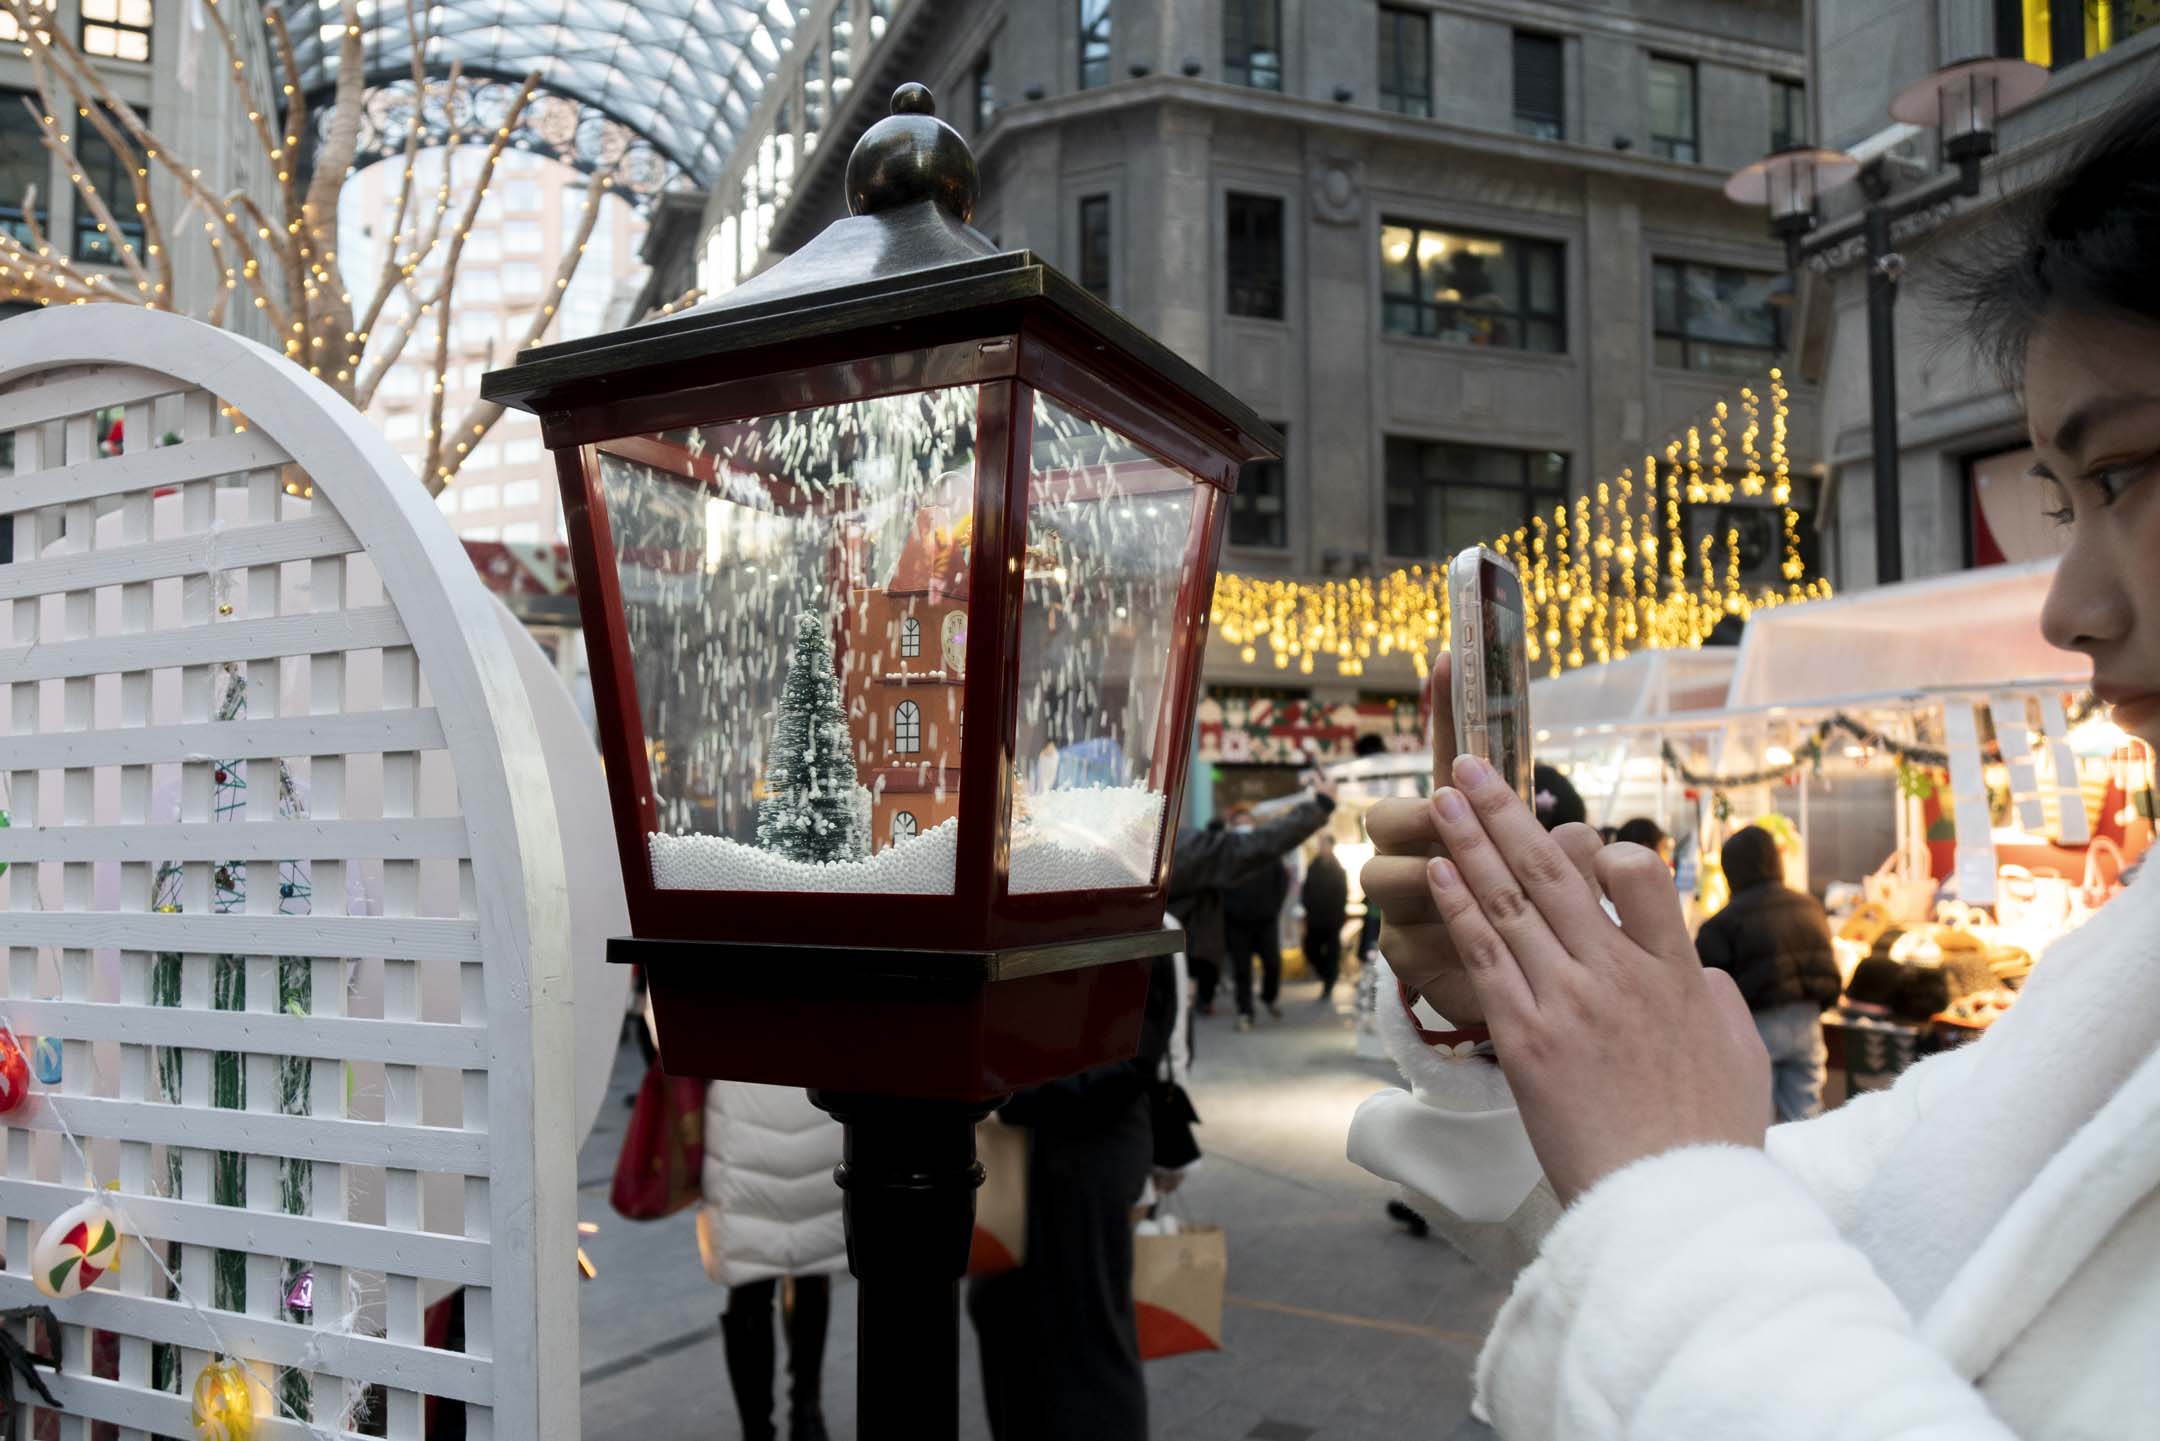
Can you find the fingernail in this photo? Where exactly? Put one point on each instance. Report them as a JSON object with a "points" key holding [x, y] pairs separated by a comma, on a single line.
{"points": [[1470, 771], [1443, 874], [1451, 804]]}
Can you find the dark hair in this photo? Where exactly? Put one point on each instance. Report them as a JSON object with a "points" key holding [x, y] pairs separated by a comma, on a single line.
{"points": [[1749, 857], [2087, 240], [1642, 831], [1566, 803]]}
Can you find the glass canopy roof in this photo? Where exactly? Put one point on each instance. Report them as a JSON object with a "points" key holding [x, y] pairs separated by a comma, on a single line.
{"points": [[683, 75]]}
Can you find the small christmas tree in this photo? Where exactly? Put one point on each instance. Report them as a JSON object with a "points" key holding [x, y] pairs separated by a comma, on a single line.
{"points": [[809, 810]]}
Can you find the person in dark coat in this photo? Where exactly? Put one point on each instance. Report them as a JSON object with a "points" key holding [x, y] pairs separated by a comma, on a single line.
{"points": [[1060, 1352], [1774, 942], [1326, 898], [1200, 912], [1252, 920]]}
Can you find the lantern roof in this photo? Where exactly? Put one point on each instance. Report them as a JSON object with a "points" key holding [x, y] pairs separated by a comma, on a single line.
{"points": [[904, 263]]}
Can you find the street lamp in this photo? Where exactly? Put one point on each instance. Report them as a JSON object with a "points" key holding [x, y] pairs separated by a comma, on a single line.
{"points": [[1964, 101], [896, 564]]}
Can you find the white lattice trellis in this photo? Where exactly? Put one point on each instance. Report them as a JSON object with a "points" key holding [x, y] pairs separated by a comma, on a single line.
{"points": [[281, 837]]}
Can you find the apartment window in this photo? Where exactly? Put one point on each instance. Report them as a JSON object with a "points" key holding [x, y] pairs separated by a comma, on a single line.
{"points": [[523, 450], [522, 196], [117, 29], [522, 532], [1252, 43], [1471, 289], [1260, 507], [985, 96], [1255, 256], [521, 277], [479, 285], [910, 638], [483, 245], [10, 30], [2056, 33], [401, 427], [907, 728], [1788, 114], [1094, 43], [839, 40], [1405, 61], [108, 174], [1095, 246], [475, 328], [1672, 109], [1442, 497], [521, 237], [483, 497], [521, 492], [23, 163], [1712, 317], [1540, 104]]}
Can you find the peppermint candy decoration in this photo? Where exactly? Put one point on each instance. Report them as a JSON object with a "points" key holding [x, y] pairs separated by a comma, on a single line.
{"points": [[81, 1245], [14, 1074]]}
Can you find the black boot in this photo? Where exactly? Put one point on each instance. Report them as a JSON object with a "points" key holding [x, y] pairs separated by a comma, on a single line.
{"points": [[809, 1309], [1399, 1212], [746, 1328]]}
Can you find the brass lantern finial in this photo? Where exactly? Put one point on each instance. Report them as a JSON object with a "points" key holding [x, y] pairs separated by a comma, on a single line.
{"points": [[912, 156]]}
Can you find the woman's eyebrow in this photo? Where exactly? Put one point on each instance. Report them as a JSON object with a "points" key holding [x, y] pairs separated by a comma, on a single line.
{"points": [[2070, 436]]}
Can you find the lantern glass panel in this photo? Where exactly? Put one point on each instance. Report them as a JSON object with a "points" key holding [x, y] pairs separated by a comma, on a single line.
{"points": [[1112, 531], [769, 568]]}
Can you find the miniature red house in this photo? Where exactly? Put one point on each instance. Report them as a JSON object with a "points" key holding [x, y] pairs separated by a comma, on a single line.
{"points": [[895, 565]]}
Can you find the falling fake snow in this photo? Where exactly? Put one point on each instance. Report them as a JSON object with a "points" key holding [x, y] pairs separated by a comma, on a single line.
{"points": [[1099, 838]]}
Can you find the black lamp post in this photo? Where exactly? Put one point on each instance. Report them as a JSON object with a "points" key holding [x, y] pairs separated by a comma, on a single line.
{"points": [[1964, 101]]}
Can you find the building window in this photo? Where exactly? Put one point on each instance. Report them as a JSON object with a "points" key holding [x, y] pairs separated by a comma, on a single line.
{"points": [[1672, 109], [1540, 104], [10, 30], [1405, 61], [1095, 246], [1788, 114], [903, 826], [1443, 497], [910, 638], [1252, 43], [1260, 507], [1094, 43], [522, 196], [1471, 289], [103, 168], [985, 96], [813, 101], [23, 164], [839, 40], [2056, 33], [117, 29], [1255, 259], [1712, 317], [907, 728]]}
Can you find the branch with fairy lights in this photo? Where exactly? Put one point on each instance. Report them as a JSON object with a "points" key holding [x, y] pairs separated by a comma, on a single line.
{"points": [[1609, 574], [1810, 752]]}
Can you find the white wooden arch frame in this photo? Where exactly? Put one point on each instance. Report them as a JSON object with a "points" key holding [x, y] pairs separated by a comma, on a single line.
{"points": [[132, 605]]}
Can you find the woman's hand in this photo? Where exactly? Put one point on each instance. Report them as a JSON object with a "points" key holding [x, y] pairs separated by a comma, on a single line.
{"points": [[1616, 1041]]}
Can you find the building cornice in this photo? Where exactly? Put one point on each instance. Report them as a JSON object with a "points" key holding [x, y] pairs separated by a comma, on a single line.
{"points": [[1669, 39]]}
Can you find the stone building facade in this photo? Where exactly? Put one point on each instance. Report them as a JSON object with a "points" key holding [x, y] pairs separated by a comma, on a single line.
{"points": [[1965, 498]]}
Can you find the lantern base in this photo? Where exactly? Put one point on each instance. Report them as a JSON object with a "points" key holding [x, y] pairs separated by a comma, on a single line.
{"points": [[968, 1026]]}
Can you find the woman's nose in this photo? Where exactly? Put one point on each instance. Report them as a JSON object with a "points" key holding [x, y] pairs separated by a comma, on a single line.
{"points": [[2088, 601]]}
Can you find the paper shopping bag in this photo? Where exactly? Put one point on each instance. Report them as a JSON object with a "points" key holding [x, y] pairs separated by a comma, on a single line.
{"points": [[1000, 1241], [663, 1153], [1178, 1281]]}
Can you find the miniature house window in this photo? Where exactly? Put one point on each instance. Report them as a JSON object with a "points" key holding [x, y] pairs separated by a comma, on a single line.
{"points": [[910, 638], [907, 728], [903, 825]]}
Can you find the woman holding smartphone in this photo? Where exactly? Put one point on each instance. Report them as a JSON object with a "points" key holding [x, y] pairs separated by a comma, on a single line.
{"points": [[1973, 1255]]}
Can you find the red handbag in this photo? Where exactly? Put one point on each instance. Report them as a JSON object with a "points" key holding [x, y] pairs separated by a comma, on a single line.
{"points": [[657, 1173]]}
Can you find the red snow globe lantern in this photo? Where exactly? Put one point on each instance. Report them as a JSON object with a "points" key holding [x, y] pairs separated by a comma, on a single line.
{"points": [[895, 564]]}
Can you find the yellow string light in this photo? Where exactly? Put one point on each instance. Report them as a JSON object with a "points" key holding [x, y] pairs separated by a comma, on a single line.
{"points": [[1600, 583]]}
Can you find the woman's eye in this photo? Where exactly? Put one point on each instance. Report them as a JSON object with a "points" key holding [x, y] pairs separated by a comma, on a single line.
{"points": [[2112, 481]]}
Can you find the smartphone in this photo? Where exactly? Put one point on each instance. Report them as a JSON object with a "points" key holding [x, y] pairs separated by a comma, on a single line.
{"points": [[1492, 665]]}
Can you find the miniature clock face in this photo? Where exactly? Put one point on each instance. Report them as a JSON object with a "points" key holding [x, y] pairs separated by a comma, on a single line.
{"points": [[952, 641]]}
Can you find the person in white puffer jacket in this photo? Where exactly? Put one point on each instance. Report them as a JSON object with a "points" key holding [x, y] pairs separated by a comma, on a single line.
{"points": [[771, 1212], [1972, 1255]]}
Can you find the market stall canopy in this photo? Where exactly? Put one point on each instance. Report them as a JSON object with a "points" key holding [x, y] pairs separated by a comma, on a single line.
{"points": [[683, 75], [1641, 686], [1976, 628]]}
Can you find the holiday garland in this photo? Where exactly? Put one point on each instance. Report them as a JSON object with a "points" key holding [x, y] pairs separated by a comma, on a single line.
{"points": [[1810, 752]]}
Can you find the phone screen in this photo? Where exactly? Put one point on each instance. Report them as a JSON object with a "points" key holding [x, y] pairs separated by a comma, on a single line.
{"points": [[1507, 678]]}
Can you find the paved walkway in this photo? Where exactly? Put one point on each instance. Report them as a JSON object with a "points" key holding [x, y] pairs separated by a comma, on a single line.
{"points": [[1340, 1327]]}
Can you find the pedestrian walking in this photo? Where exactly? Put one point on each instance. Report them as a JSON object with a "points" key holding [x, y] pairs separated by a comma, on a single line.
{"points": [[1200, 912], [1774, 942], [771, 1230], [1252, 923], [1326, 899], [1972, 1253]]}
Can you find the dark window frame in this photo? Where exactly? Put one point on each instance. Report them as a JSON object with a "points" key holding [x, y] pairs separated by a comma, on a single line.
{"points": [[1245, 20], [1097, 246], [1787, 129], [1431, 315], [1253, 292], [1097, 29], [1409, 34], [983, 94], [32, 149], [1416, 453], [85, 24], [1260, 481], [907, 729], [1688, 340], [910, 638], [1534, 124], [1669, 147]]}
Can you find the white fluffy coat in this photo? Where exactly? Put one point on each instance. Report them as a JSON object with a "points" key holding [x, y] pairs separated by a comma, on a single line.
{"points": [[1972, 1255], [771, 1208]]}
